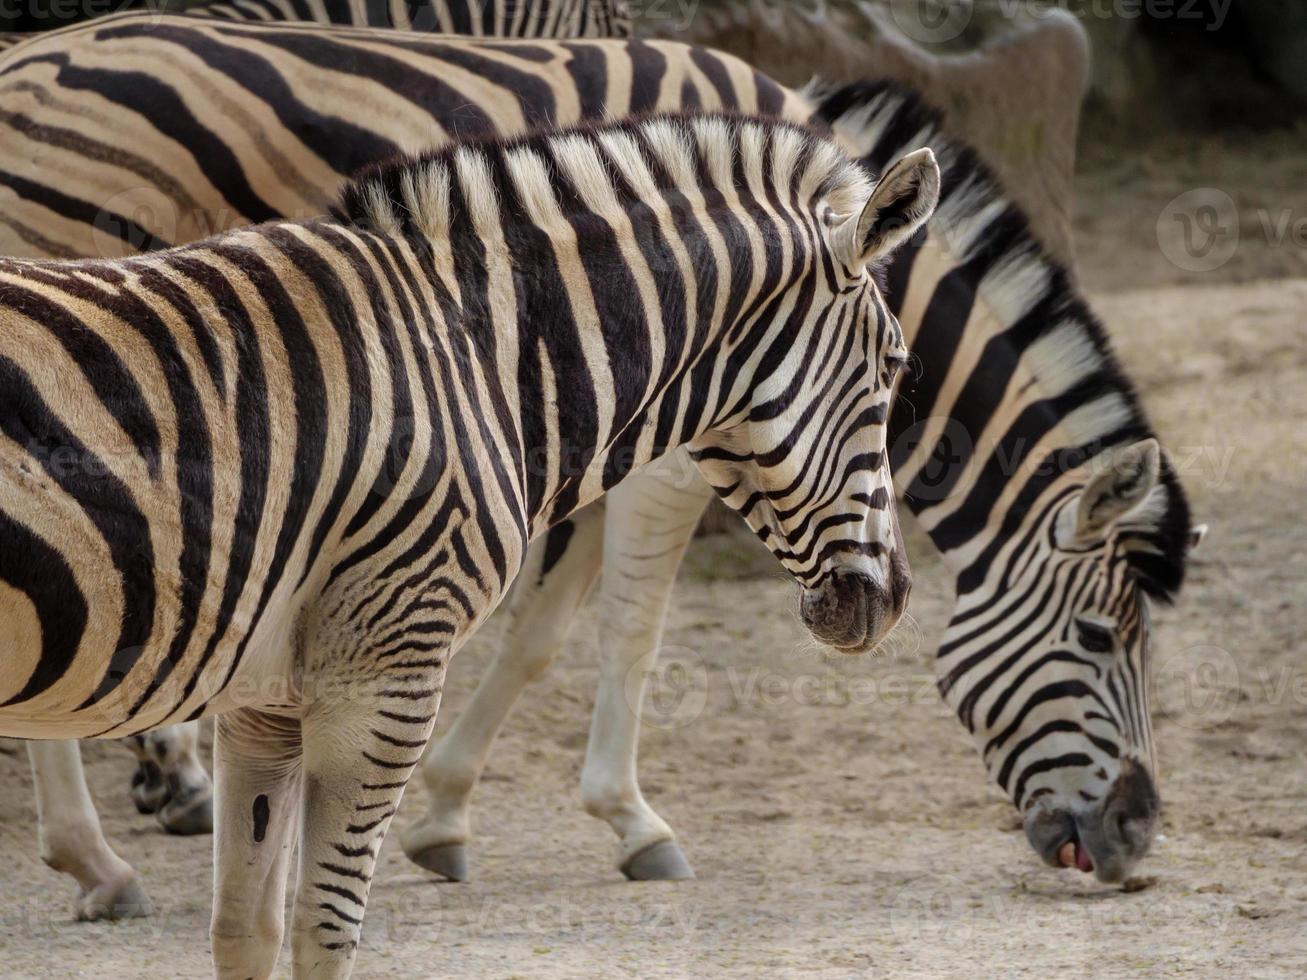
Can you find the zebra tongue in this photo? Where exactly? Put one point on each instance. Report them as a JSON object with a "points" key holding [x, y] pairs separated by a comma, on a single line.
{"points": [[1066, 854], [1083, 861]]}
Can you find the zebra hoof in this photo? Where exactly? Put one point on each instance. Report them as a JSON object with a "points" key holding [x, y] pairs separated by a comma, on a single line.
{"points": [[188, 816], [149, 789], [124, 900], [663, 861], [447, 860]]}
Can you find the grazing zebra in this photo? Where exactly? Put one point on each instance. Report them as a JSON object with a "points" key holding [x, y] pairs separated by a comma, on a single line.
{"points": [[475, 18], [281, 475], [165, 184], [1022, 451]]}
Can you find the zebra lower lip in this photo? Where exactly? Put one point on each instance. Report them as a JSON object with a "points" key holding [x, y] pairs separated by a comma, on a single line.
{"points": [[1073, 854]]}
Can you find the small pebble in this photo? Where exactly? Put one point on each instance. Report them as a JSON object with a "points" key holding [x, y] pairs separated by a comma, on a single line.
{"points": [[1254, 911], [1138, 884]]}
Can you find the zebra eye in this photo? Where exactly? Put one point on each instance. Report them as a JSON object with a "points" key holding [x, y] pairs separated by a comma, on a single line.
{"points": [[895, 365], [1095, 637]]}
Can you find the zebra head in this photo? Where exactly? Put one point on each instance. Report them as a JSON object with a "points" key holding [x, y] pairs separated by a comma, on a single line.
{"points": [[1047, 663], [805, 460]]}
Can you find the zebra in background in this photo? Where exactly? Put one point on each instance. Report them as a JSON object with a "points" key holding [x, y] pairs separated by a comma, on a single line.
{"points": [[474, 18], [1022, 450], [312, 455], [300, 147]]}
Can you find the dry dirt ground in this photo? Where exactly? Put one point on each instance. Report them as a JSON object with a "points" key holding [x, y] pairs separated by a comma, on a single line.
{"points": [[836, 813]]}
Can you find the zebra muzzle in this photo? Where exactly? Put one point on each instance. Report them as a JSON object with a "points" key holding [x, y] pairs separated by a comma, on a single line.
{"points": [[1107, 840], [849, 611]]}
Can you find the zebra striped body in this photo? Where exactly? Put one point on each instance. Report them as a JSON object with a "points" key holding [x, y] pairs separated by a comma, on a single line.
{"points": [[281, 475], [133, 133], [474, 18], [980, 303]]}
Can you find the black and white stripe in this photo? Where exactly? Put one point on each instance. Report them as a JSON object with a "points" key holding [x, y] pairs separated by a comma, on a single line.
{"points": [[1022, 449], [281, 475], [982, 305], [474, 18]]}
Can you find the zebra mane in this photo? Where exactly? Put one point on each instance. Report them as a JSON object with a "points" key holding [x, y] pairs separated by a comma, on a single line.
{"points": [[430, 195], [1063, 344]]}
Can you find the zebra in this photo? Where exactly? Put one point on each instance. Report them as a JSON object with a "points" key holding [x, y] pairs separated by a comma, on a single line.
{"points": [[1023, 452], [473, 18], [551, 82], [170, 781], [279, 476], [108, 186]]}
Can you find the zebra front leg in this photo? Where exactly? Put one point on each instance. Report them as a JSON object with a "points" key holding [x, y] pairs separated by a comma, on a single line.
{"points": [[358, 756], [71, 839], [256, 763], [549, 591], [651, 519], [171, 781]]}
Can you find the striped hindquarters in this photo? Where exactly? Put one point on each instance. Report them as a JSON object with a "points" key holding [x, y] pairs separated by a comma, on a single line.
{"points": [[140, 132]]}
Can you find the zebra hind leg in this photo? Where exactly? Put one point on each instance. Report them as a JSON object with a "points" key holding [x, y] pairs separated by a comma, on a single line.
{"points": [[541, 608], [171, 781], [257, 769], [71, 839], [651, 519]]}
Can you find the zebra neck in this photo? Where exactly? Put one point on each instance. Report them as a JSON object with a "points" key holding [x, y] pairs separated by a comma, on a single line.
{"points": [[1004, 409], [598, 373]]}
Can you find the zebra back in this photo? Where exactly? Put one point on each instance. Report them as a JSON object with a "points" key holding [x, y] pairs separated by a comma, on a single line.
{"points": [[474, 18], [199, 125]]}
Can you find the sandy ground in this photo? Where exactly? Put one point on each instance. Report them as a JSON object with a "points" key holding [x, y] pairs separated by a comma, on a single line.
{"points": [[835, 811]]}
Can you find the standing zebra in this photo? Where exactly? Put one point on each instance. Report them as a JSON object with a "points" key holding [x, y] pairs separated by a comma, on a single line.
{"points": [[280, 476], [112, 141], [474, 18], [141, 181], [171, 781]]}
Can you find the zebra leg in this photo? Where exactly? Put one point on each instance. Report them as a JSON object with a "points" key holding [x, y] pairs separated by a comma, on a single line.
{"points": [[189, 809], [170, 780], [149, 791], [256, 763], [71, 839], [651, 519], [544, 601], [358, 755]]}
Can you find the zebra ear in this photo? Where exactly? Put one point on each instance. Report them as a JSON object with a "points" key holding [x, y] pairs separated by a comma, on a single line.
{"points": [[902, 201], [1118, 489]]}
